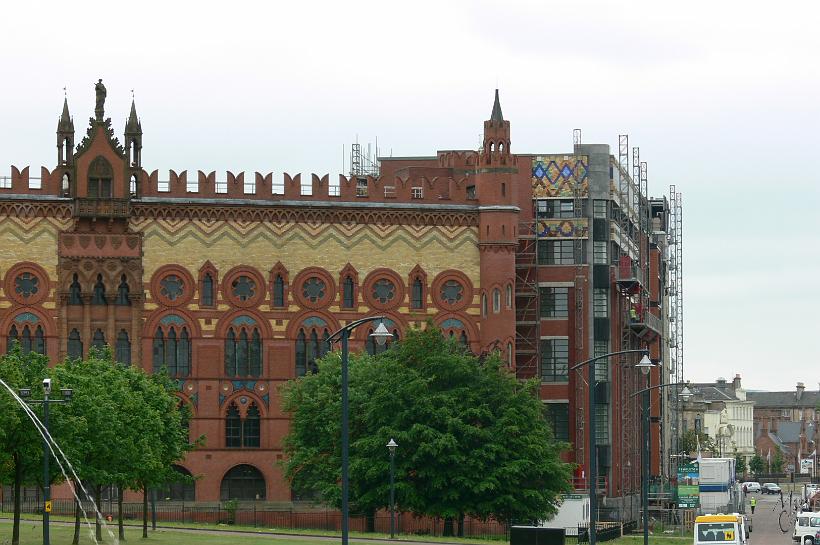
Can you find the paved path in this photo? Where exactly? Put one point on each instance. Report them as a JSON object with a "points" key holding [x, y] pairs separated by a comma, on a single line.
{"points": [[765, 521]]}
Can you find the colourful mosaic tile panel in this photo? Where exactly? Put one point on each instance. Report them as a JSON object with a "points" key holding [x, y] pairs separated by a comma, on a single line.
{"points": [[559, 175], [562, 228]]}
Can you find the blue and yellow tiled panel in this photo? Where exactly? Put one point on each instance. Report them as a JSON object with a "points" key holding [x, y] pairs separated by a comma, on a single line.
{"points": [[559, 175], [563, 228]]}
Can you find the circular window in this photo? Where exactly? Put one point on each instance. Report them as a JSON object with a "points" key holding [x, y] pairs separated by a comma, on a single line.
{"points": [[384, 291], [314, 289], [27, 284], [243, 288], [172, 287], [452, 290]]}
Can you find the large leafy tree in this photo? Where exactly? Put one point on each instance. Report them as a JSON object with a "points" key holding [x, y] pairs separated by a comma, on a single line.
{"points": [[690, 439], [472, 439], [21, 445], [757, 464]]}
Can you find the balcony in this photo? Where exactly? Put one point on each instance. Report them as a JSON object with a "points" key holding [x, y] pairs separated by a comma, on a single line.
{"points": [[647, 325], [628, 277], [102, 208]]}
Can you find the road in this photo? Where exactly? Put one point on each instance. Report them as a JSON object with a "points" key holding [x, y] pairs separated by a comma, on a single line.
{"points": [[765, 521]]}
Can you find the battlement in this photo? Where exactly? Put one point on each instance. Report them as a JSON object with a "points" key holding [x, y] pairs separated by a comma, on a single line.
{"points": [[405, 186]]}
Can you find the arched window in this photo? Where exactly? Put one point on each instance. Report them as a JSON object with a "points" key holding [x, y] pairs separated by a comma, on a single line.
{"points": [[484, 304], [75, 292], [243, 482], [123, 292], [417, 295], [372, 346], [172, 347], [509, 296], [99, 179], [181, 489], [66, 185], [278, 291], [242, 432], [133, 185], [75, 345], [243, 351], [496, 300], [123, 350], [12, 338], [98, 339], [454, 329], [207, 290], [311, 344], [347, 292], [509, 354], [98, 298]]}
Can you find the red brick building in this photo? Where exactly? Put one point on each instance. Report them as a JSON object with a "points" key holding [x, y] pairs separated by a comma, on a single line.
{"points": [[232, 283]]}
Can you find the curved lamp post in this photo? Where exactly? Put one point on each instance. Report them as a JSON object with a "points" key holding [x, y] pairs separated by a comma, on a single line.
{"points": [[593, 462], [684, 395], [381, 334]]}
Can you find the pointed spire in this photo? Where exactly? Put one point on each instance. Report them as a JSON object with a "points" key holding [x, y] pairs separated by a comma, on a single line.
{"points": [[496, 115], [133, 126], [66, 124]]}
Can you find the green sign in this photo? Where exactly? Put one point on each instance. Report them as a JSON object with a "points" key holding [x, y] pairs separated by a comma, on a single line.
{"points": [[688, 486]]}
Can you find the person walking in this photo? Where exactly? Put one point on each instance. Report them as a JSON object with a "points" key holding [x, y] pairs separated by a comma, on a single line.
{"points": [[753, 502]]}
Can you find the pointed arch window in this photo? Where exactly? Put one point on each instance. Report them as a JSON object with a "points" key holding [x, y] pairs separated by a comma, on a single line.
{"points": [[243, 350], [66, 185], [99, 179], [98, 297], [311, 345], [98, 339], [122, 293], [347, 292], [242, 432], [123, 350], [171, 347], [455, 329], [207, 290], [484, 305], [75, 345], [509, 296], [279, 291], [417, 295], [133, 185], [75, 291], [496, 301]]}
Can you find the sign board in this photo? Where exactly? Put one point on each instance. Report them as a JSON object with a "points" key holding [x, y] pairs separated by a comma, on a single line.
{"points": [[48, 506], [688, 485], [807, 465]]}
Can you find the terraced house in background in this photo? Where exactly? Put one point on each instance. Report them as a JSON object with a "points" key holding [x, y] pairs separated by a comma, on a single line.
{"points": [[232, 282]]}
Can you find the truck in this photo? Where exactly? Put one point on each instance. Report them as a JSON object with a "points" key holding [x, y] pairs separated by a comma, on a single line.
{"points": [[719, 490], [573, 511]]}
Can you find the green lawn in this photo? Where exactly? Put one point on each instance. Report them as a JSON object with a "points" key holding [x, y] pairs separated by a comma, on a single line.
{"points": [[31, 534]]}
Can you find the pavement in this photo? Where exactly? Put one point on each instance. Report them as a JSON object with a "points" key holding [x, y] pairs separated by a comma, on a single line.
{"points": [[765, 521]]}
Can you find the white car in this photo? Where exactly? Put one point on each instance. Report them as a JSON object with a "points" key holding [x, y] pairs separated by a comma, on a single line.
{"points": [[806, 529], [751, 486]]}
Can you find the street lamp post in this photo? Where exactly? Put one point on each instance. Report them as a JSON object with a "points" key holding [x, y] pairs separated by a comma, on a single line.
{"points": [[25, 393], [391, 446], [593, 462], [684, 395], [380, 335]]}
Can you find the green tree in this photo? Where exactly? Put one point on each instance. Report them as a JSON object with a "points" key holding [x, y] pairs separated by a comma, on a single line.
{"points": [[740, 465], [472, 439], [689, 440], [757, 464], [777, 461], [20, 443]]}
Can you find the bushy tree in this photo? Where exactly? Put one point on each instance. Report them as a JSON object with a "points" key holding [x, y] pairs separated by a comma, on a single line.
{"points": [[472, 438], [689, 440], [740, 464], [757, 464], [778, 461]]}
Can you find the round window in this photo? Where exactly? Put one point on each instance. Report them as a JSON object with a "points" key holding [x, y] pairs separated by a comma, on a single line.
{"points": [[243, 288], [26, 285], [314, 289], [384, 290], [171, 287], [452, 292]]}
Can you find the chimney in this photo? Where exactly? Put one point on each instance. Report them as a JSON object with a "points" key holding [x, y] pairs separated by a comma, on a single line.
{"points": [[736, 382], [800, 388], [721, 383]]}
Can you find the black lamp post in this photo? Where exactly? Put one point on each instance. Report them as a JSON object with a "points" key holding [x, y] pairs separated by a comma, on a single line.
{"points": [[685, 394], [380, 335], [25, 393], [391, 446], [593, 461]]}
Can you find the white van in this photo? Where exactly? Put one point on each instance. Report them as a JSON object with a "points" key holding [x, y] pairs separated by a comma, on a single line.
{"points": [[724, 529], [806, 528]]}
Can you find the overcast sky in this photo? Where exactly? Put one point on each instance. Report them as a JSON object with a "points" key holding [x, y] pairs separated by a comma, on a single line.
{"points": [[721, 97]]}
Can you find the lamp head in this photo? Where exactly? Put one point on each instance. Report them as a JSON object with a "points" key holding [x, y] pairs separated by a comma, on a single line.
{"points": [[25, 393], [381, 334], [67, 393], [685, 394], [645, 364], [47, 385], [392, 445]]}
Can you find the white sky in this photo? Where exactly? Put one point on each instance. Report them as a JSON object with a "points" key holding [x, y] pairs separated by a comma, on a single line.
{"points": [[721, 97]]}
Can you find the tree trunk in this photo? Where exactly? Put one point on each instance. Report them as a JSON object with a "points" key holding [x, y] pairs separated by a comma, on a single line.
{"points": [[448, 527], [76, 539], [98, 500], [144, 510], [461, 525], [18, 481], [119, 514]]}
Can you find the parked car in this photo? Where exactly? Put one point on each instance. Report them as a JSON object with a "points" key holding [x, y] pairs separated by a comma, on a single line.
{"points": [[751, 486], [806, 529], [771, 488]]}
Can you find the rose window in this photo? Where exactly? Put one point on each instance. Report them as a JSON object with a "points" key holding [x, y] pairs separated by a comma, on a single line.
{"points": [[243, 288], [384, 290], [26, 285], [452, 292], [171, 287], [313, 289]]}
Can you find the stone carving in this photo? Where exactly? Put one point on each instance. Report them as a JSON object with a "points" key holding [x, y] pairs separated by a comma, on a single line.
{"points": [[99, 110]]}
